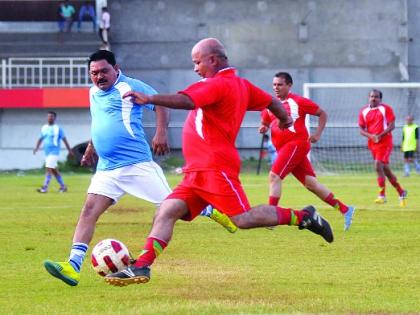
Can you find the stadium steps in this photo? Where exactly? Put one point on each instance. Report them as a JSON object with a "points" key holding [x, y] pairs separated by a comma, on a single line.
{"points": [[48, 44]]}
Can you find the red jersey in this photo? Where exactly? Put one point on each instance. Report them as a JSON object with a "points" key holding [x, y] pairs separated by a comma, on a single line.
{"points": [[210, 131], [375, 120], [297, 107]]}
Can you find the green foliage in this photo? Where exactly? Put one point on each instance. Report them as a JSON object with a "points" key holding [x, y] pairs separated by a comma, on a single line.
{"points": [[373, 268]]}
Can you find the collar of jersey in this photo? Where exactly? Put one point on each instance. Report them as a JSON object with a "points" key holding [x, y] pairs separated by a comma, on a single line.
{"points": [[119, 78], [226, 71]]}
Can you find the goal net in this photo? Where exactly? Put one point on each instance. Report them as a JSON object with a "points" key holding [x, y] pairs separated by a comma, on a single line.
{"points": [[342, 149]]}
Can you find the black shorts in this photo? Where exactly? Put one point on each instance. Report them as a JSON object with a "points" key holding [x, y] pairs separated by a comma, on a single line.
{"points": [[408, 154]]}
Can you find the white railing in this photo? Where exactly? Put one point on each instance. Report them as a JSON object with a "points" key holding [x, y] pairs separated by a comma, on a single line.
{"points": [[44, 72]]}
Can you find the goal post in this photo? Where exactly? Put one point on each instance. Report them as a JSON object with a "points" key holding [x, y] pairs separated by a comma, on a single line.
{"points": [[341, 148]]}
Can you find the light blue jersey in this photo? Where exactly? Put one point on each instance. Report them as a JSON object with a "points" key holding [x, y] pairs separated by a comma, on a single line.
{"points": [[51, 135], [117, 130]]}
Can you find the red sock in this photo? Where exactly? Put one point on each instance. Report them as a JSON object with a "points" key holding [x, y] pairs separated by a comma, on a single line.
{"points": [[289, 216], [337, 204], [397, 186], [273, 201], [150, 251], [381, 184]]}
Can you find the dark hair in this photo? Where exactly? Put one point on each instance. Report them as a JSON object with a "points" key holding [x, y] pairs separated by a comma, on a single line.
{"points": [[103, 55], [286, 76], [52, 113], [376, 91]]}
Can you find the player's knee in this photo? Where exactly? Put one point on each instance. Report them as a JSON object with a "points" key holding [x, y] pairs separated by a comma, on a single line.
{"points": [[89, 212], [171, 210]]}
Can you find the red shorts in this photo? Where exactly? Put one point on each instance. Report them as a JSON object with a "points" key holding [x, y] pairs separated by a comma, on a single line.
{"points": [[381, 152], [293, 158], [223, 192]]}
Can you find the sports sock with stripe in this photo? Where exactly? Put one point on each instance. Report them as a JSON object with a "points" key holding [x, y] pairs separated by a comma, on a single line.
{"points": [[287, 216], [335, 203], [47, 180], [77, 255], [153, 248]]}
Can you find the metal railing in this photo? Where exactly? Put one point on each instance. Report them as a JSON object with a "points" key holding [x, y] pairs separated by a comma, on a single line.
{"points": [[44, 72]]}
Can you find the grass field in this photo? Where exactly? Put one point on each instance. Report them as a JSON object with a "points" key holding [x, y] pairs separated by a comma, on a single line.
{"points": [[373, 268]]}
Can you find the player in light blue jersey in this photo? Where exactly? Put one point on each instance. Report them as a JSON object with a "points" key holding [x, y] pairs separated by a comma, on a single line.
{"points": [[52, 135], [125, 161]]}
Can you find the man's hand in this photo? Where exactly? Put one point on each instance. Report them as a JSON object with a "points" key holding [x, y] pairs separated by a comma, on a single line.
{"points": [[88, 159], [137, 97], [35, 151], [375, 138], [160, 144], [263, 129], [314, 138]]}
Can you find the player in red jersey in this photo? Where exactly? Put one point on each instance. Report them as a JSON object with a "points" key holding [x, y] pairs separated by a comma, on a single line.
{"points": [[217, 107], [376, 122], [293, 145]]}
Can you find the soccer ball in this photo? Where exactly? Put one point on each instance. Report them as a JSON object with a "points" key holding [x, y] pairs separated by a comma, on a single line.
{"points": [[109, 256]]}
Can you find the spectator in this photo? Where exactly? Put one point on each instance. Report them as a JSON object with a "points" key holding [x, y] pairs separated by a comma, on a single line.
{"points": [[66, 13], [60, 17], [86, 12], [104, 28]]}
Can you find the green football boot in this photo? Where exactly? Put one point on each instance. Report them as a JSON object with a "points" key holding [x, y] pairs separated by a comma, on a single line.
{"points": [[63, 271], [223, 220]]}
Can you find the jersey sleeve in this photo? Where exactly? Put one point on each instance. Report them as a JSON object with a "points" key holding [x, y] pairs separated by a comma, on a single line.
{"points": [[203, 93], [61, 134], [266, 118], [308, 106], [258, 99], [389, 114], [416, 132], [362, 122], [42, 133]]}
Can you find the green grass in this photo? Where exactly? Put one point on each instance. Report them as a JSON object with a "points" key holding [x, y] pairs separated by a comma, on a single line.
{"points": [[373, 268]]}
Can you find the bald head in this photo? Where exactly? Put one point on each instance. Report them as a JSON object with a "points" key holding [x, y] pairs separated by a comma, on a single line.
{"points": [[209, 57], [210, 46], [409, 119]]}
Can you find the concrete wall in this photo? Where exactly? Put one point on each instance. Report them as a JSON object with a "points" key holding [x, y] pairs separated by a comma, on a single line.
{"points": [[413, 16], [324, 40]]}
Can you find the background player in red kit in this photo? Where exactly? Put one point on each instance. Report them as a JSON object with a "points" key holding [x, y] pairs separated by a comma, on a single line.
{"points": [[218, 104], [293, 145], [376, 122]]}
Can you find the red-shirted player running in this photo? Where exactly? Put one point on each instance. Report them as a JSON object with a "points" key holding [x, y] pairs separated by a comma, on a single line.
{"points": [[218, 104], [376, 122], [293, 145]]}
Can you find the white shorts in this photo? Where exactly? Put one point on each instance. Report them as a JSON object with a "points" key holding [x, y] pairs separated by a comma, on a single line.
{"points": [[142, 180], [51, 161]]}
